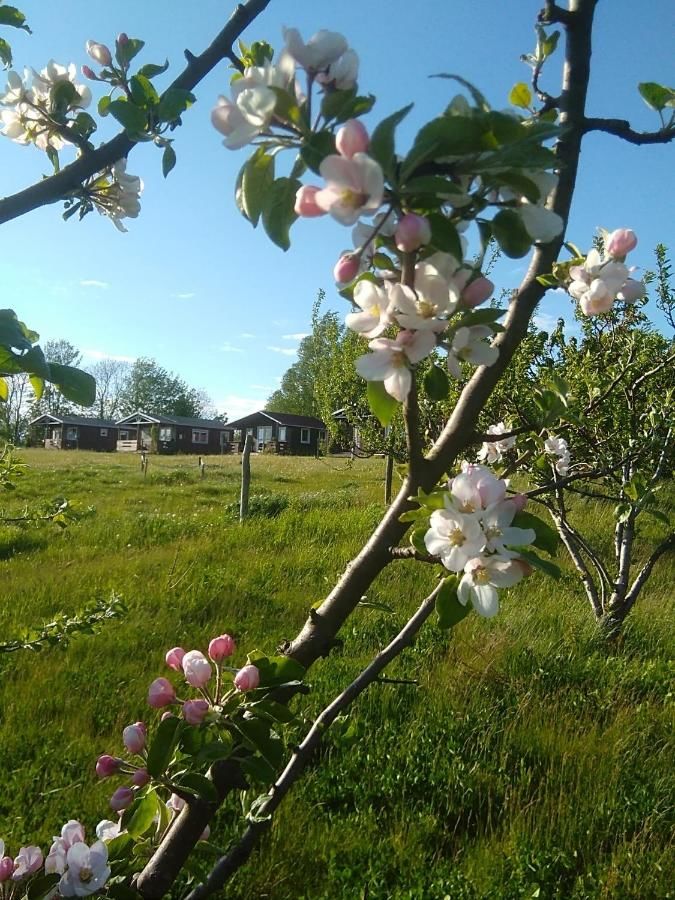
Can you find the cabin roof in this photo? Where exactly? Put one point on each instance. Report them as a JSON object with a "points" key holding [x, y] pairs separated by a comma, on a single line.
{"points": [[49, 419], [142, 418], [289, 419]]}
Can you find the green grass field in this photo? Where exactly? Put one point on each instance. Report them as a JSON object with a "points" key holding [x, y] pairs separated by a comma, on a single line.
{"points": [[528, 761]]}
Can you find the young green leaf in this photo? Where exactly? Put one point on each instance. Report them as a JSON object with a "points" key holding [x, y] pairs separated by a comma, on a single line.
{"points": [[257, 181], [381, 146], [520, 95], [168, 159], [436, 383], [382, 405], [278, 212], [448, 608], [163, 746]]}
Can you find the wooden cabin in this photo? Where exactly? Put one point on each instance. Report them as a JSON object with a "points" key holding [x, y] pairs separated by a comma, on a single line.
{"points": [[75, 432], [273, 432], [159, 433]]}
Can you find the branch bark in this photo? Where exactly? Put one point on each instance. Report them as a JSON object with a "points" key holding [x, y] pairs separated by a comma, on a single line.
{"points": [[621, 128]]}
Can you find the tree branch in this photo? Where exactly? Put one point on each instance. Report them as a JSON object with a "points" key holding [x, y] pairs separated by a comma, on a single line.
{"points": [[237, 856], [621, 128], [411, 553], [58, 186], [644, 573], [552, 13]]}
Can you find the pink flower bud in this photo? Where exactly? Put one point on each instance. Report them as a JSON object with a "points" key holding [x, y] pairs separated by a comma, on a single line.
{"points": [[194, 711], [346, 268], [305, 202], [6, 868], [140, 777], [197, 668], [121, 799], [88, 72], [632, 291], [411, 232], [107, 766], [221, 647], [352, 138], [133, 737], [247, 679], [161, 693], [477, 291], [122, 39], [620, 242], [524, 567], [99, 53], [174, 658], [519, 501]]}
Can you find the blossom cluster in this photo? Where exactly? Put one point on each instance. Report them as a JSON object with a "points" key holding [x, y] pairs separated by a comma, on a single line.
{"points": [[473, 534], [493, 451], [84, 869], [557, 448], [603, 279], [116, 194], [36, 105]]}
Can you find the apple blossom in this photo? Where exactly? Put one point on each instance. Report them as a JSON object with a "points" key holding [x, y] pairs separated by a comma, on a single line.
{"points": [[389, 360], [140, 777], [454, 538], [6, 865], [352, 138], [71, 833], [106, 830], [492, 451], [247, 679], [52, 74], [476, 292], [121, 799], [500, 534], [134, 736], [412, 232], [161, 693], [27, 862], [620, 242], [475, 488], [469, 345], [519, 501], [482, 576], [342, 74], [99, 53], [417, 310], [107, 765], [596, 284], [346, 268], [555, 446], [632, 291], [305, 202], [322, 49], [375, 316], [87, 870], [221, 647], [196, 668], [174, 658], [194, 711], [354, 187], [89, 73]]}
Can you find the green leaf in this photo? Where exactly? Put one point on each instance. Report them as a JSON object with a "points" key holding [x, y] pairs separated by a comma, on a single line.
{"points": [[448, 608], [131, 117], [74, 384], [433, 184], [63, 95], [104, 105], [445, 136], [477, 97], [510, 233], [259, 770], [125, 52], [412, 515], [547, 537], [417, 538], [444, 236], [197, 784], [657, 96], [13, 18], [168, 159], [382, 405], [486, 316], [173, 103], [5, 53], [272, 710], [316, 148], [436, 383], [520, 184], [343, 105], [381, 147], [44, 885], [163, 745], [150, 70], [520, 95], [143, 92], [84, 124], [4, 390], [548, 281], [256, 735], [278, 212], [257, 181], [282, 670], [658, 515], [138, 818], [118, 846], [538, 563]]}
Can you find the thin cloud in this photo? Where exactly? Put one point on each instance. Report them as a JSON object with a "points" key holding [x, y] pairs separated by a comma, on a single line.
{"points": [[229, 348], [247, 335], [287, 351], [101, 354], [298, 336], [93, 283], [186, 296], [238, 405], [260, 387]]}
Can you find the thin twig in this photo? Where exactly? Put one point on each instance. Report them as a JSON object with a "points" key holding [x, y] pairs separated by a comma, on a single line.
{"points": [[621, 128]]}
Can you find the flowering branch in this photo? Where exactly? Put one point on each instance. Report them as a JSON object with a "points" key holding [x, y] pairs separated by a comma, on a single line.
{"points": [[621, 128], [71, 177]]}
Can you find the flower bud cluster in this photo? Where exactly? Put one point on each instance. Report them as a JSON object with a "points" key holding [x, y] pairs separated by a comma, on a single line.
{"points": [[603, 279], [474, 534]]}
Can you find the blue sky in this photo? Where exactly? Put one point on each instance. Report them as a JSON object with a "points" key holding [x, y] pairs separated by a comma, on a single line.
{"points": [[191, 283]]}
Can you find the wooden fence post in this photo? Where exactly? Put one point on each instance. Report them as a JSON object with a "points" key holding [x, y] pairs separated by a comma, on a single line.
{"points": [[245, 477], [202, 467], [144, 463], [388, 478]]}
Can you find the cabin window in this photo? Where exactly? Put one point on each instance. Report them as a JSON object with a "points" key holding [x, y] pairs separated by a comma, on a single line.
{"points": [[200, 436], [236, 435], [103, 432], [71, 433], [282, 432], [166, 433], [304, 435]]}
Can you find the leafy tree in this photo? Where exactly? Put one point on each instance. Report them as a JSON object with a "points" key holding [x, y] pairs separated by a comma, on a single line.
{"points": [[153, 389], [52, 400], [111, 380]]}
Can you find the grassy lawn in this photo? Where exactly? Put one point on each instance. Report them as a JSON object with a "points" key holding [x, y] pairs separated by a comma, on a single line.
{"points": [[527, 761]]}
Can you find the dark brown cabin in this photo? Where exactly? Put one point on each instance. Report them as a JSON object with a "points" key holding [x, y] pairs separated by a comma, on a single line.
{"points": [[158, 433], [75, 433], [274, 432]]}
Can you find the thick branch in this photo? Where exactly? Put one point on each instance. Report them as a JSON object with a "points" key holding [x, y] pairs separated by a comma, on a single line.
{"points": [[238, 855], [644, 573], [58, 186], [621, 128]]}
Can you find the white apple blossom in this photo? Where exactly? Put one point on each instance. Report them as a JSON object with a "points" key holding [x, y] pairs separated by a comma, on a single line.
{"points": [[541, 224], [71, 833], [493, 451], [52, 74], [375, 313], [87, 870], [343, 73], [354, 187], [320, 51], [27, 861], [596, 284], [482, 576], [475, 489], [389, 360], [120, 197], [107, 830], [469, 345], [500, 535], [421, 309], [453, 537], [557, 446]]}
